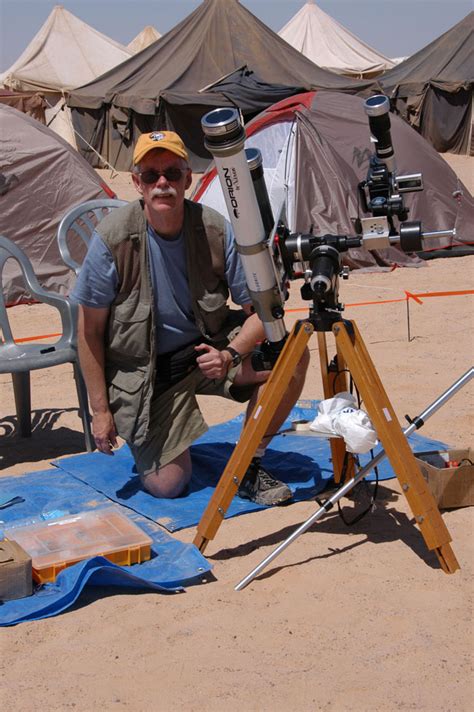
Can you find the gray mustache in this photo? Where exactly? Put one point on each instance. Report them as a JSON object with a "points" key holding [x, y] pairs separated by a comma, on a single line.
{"points": [[164, 192]]}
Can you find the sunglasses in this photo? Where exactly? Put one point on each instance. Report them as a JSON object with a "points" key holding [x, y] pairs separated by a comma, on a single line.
{"points": [[171, 174]]}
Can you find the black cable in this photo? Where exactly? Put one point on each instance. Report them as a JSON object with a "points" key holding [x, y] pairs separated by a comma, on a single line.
{"points": [[353, 387], [336, 375], [370, 507]]}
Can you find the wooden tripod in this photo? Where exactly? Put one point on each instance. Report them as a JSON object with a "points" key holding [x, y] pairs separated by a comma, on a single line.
{"points": [[351, 352]]}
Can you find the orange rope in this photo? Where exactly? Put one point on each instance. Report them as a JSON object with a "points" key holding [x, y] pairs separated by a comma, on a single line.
{"points": [[444, 294], [408, 295], [35, 338]]}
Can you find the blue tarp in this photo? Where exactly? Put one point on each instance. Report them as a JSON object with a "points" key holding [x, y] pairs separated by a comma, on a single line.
{"points": [[52, 493], [89, 481], [306, 468]]}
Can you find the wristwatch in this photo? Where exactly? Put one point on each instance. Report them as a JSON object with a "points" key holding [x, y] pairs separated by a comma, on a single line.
{"points": [[236, 357]]}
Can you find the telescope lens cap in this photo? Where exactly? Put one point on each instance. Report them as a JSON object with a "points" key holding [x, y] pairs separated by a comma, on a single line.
{"points": [[254, 157], [220, 122], [377, 105]]}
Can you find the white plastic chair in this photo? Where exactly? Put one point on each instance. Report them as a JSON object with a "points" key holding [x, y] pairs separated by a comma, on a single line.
{"points": [[80, 222], [20, 359]]}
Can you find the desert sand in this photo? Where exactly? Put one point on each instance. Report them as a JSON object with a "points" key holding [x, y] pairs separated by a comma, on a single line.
{"points": [[356, 619]]}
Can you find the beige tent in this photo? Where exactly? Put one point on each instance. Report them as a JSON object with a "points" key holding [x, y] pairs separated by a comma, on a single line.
{"points": [[144, 38], [64, 54], [330, 45]]}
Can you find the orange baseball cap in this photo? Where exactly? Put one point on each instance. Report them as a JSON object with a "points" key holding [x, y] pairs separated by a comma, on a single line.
{"points": [[168, 140]]}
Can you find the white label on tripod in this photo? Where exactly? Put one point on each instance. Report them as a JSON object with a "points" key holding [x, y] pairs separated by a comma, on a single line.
{"points": [[387, 414], [257, 412]]}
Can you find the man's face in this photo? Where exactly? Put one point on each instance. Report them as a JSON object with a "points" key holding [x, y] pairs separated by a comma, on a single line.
{"points": [[162, 195]]}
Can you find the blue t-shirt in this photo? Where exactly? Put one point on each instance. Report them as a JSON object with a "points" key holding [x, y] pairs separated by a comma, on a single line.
{"points": [[96, 285]]}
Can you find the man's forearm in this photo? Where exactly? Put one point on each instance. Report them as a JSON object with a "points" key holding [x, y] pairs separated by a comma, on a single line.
{"points": [[251, 333], [91, 358], [90, 338]]}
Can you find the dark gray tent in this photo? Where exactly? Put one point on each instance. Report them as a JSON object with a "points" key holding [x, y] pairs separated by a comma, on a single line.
{"points": [[246, 90], [41, 178], [432, 90], [316, 149], [164, 85]]}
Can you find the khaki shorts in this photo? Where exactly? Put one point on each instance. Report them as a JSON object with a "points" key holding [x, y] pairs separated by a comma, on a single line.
{"points": [[176, 420]]}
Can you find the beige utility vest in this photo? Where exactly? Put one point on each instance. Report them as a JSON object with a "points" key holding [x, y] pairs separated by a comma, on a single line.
{"points": [[130, 343]]}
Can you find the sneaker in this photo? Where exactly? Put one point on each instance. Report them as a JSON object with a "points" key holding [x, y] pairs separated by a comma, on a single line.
{"points": [[260, 487]]}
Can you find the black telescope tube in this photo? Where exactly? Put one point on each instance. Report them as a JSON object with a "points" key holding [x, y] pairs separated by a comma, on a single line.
{"points": [[255, 164], [377, 109]]}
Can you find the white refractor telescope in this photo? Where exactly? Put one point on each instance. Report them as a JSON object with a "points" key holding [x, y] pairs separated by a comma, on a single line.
{"points": [[225, 139]]}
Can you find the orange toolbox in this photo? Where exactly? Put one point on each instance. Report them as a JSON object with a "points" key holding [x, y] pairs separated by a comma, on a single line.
{"points": [[53, 545]]}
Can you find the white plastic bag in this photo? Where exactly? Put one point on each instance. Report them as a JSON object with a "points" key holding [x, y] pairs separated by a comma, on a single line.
{"points": [[340, 416], [323, 423], [356, 429]]}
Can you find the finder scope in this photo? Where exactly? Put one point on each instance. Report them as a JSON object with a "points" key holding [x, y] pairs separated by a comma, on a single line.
{"points": [[255, 164]]}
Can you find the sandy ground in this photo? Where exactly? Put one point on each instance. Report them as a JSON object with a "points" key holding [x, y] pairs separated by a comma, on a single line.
{"points": [[346, 619]]}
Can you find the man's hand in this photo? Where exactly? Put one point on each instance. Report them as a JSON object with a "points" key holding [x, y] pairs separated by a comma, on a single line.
{"points": [[213, 363], [103, 429]]}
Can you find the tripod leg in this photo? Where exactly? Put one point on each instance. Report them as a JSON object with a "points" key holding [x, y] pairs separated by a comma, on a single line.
{"points": [[335, 382], [252, 433], [414, 425], [384, 420]]}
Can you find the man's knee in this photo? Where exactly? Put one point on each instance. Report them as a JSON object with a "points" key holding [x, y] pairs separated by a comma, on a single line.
{"points": [[171, 480], [299, 373], [165, 487]]}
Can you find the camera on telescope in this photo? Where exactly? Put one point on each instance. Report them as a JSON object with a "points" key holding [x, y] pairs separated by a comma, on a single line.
{"points": [[382, 191]]}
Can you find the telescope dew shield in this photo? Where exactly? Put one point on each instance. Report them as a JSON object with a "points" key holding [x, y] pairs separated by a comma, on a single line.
{"points": [[377, 109], [224, 139]]}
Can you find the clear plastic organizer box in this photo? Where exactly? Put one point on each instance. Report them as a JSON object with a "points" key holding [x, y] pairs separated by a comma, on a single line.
{"points": [[53, 545]]}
